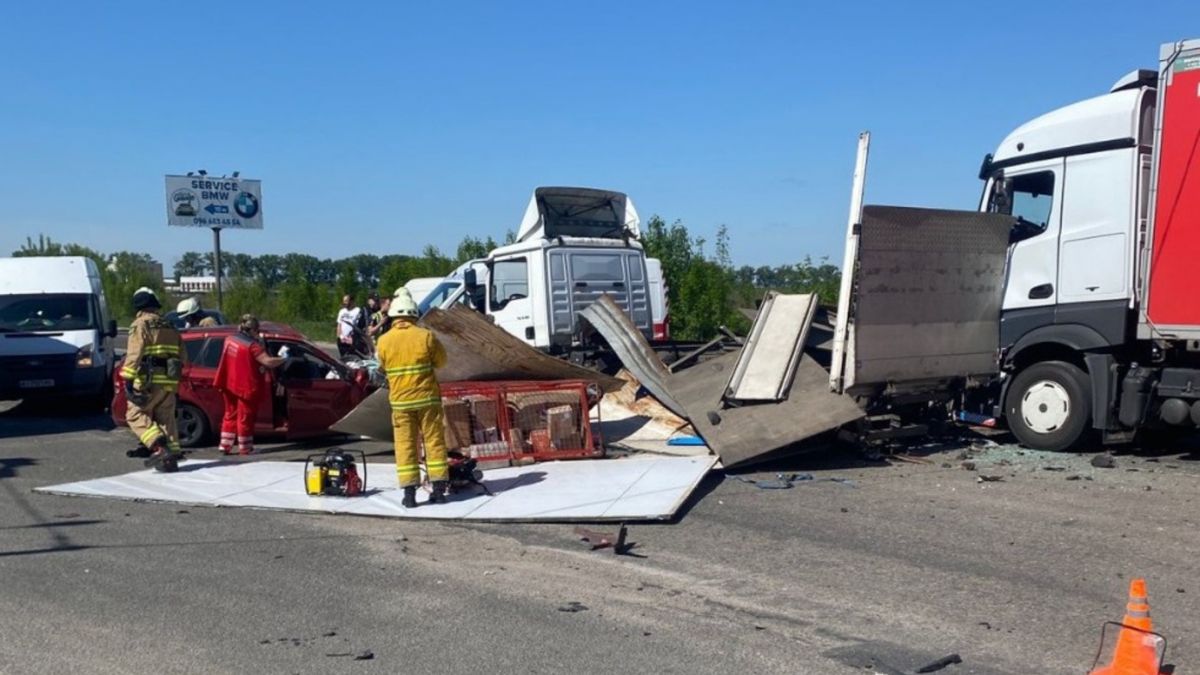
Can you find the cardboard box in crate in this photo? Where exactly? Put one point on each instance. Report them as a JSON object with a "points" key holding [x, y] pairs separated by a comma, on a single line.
{"points": [[457, 423], [528, 410], [484, 411]]}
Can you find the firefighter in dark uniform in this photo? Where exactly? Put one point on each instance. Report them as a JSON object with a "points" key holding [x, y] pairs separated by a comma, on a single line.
{"points": [[152, 369]]}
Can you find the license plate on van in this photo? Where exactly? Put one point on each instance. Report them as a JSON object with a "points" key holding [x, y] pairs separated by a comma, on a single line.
{"points": [[35, 384]]}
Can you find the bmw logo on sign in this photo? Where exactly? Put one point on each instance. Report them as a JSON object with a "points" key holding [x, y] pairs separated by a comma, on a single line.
{"points": [[246, 205]]}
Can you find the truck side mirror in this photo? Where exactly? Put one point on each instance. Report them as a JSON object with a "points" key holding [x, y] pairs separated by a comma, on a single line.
{"points": [[469, 278], [111, 328]]}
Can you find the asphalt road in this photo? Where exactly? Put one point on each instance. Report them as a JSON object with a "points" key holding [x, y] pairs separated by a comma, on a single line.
{"points": [[904, 565]]}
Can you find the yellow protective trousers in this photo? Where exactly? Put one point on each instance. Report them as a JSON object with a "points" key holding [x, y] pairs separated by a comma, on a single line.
{"points": [[155, 420], [409, 427]]}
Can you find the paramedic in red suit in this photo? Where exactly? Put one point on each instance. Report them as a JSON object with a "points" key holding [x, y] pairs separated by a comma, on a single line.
{"points": [[241, 377]]}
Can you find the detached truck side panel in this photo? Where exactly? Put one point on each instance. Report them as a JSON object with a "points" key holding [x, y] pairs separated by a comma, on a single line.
{"points": [[1176, 244]]}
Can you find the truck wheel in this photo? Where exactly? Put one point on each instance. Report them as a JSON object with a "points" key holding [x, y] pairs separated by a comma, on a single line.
{"points": [[192, 425], [1049, 406]]}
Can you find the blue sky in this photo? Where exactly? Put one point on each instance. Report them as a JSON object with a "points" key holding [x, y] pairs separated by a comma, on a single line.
{"points": [[382, 127]]}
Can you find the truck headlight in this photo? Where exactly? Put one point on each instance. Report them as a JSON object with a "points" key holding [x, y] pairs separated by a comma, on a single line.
{"points": [[83, 358]]}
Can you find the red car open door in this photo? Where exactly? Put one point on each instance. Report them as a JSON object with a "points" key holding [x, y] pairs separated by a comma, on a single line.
{"points": [[318, 393]]}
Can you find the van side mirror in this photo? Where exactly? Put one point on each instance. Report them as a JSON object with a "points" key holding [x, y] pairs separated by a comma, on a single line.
{"points": [[111, 328], [469, 278]]}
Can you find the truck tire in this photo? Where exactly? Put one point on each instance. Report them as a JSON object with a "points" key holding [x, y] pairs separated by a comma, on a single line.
{"points": [[1049, 407]]}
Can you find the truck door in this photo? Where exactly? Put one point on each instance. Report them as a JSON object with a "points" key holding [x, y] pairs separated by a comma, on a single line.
{"points": [[1097, 226], [1031, 192], [508, 297]]}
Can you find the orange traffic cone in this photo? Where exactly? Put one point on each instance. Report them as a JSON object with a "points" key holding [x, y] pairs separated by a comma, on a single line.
{"points": [[1137, 651]]}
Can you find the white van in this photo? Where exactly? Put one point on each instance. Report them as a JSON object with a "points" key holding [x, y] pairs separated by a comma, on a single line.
{"points": [[420, 287], [56, 333]]}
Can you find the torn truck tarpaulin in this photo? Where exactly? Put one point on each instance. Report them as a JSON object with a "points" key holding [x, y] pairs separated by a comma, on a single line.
{"points": [[477, 349], [745, 434], [767, 364], [634, 351]]}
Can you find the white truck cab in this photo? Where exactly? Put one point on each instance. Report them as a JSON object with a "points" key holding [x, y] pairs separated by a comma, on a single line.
{"points": [[55, 329], [573, 245], [1098, 325]]}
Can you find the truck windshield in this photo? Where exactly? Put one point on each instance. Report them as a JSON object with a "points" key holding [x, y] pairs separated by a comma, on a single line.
{"points": [[438, 296], [46, 312]]}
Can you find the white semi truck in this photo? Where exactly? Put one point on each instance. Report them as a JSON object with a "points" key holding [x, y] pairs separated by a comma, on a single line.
{"points": [[572, 246], [1091, 303]]}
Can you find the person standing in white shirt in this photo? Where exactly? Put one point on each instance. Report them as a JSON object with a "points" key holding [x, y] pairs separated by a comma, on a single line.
{"points": [[349, 326]]}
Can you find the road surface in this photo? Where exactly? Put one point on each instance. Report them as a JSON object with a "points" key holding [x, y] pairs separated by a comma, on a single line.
{"points": [[904, 564]]}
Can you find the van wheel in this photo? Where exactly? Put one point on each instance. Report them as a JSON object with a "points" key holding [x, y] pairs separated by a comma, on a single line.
{"points": [[192, 425], [1048, 406]]}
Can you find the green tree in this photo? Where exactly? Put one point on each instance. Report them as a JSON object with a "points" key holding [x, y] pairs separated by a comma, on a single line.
{"points": [[471, 248], [247, 295], [192, 264]]}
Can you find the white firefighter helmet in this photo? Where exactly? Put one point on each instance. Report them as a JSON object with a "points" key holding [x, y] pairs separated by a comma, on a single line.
{"points": [[187, 307], [403, 304]]}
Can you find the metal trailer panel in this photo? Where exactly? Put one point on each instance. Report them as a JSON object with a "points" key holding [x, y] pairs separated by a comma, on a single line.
{"points": [[929, 289], [842, 340], [767, 362], [752, 433], [1171, 307], [611, 321]]}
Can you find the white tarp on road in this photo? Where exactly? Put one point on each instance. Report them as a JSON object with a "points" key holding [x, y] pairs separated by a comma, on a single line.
{"points": [[591, 490]]}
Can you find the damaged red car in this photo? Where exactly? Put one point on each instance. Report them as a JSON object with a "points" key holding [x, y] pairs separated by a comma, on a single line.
{"points": [[301, 401]]}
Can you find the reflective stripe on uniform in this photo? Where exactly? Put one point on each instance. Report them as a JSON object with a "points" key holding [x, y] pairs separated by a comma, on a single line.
{"points": [[151, 435], [410, 370], [416, 404], [161, 350]]}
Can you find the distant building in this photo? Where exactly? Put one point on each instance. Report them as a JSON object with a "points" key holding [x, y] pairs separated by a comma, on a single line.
{"points": [[205, 284]]}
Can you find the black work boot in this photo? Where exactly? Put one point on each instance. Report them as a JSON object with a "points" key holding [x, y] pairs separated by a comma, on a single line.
{"points": [[438, 493], [159, 454], [410, 497], [140, 452]]}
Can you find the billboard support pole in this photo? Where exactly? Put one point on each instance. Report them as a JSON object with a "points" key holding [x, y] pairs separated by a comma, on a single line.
{"points": [[217, 266]]}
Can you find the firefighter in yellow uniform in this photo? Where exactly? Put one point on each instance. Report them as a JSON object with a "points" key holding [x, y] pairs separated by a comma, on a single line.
{"points": [[153, 366], [409, 354]]}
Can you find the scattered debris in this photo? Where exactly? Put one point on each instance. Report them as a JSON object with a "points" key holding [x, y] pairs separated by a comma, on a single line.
{"points": [[632, 348], [599, 540], [746, 433], [910, 459], [1076, 476], [1104, 461], [989, 478], [940, 663], [969, 466], [182, 511], [573, 607], [784, 481], [365, 656], [1054, 468], [767, 364], [781, 481]]}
